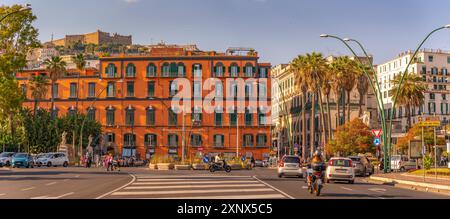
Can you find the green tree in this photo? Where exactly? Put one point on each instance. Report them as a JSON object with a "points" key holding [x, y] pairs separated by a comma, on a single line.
{"points": [[80, 62], [56, 67], [350, 139], [362, 86], [39, 136], [411, 93], [68, 123], [11, 99], [39, 88]]}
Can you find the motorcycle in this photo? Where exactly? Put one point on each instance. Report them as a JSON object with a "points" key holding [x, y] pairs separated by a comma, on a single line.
{"points": [[315, 178], [217, 166]]}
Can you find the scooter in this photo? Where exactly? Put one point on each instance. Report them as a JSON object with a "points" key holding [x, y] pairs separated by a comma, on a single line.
{"points": [[315, 182], [216, 166]]}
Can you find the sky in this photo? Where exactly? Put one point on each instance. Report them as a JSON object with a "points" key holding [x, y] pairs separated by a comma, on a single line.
{"points": [[278, 29]]}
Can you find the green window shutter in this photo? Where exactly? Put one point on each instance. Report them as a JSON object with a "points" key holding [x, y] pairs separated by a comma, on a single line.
{"points": [[229, 69], [245, 69], [214, 69], [254, 70], [223, 70], [238, 69]]}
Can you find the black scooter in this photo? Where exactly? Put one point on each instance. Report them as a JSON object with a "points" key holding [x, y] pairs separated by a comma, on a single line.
{"points": [[216, 166]]}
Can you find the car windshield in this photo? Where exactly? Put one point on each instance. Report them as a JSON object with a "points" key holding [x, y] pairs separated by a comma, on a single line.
{"points": [[47, 155], [340, 163], [5, 154], [355, 158], [21, 155], [291, 160]]}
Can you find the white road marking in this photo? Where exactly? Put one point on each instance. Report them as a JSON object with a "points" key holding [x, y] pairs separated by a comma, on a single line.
{"points": [[132, 180], [187, 176], [285, 194], [194, 182], [2, 194], [29, 188], [304, 187], [194, 186], [76, 176], [380, 190], [169, 180], [268, 196], [66, 180], [191, 191], [348, 189], [49, 184], [56, 197]]}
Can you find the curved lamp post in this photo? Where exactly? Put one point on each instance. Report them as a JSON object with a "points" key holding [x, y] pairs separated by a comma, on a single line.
{"points": [[25, 7], [387, 130]]}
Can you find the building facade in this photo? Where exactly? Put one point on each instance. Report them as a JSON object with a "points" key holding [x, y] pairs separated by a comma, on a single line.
{"points": [[432, 66], [134, 102], [98, 37]]}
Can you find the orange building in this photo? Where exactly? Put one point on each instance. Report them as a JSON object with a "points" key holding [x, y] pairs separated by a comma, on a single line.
{"points": [[131, 96]]}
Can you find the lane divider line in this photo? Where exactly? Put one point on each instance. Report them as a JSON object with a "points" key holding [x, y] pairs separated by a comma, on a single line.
{"points": [[129, 183], [285, 194]]}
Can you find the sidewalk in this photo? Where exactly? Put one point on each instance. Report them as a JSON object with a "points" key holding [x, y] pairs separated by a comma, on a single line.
{"points": [[440, 185]]}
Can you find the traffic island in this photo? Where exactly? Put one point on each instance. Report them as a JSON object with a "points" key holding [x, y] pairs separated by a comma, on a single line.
{"points": [[406, 182], [199, 166], [153, 166], [165, 166], [182, 167]]}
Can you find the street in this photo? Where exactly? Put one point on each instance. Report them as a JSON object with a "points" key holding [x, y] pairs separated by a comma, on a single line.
{"points": [[142, 183]]}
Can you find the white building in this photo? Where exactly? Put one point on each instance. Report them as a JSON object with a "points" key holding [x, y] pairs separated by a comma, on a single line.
{"points": [[432, 66]]}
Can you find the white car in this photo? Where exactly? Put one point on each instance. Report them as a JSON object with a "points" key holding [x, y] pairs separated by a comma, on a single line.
{"points": [[53, 159], [6, 158], [290, 166], [340, 169]]}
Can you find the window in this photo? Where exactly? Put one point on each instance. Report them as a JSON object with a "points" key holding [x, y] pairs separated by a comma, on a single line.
{"points": [[130, 89], [218, 118], [110, 117], [73, 90], [219, 70], [181, 70], [111, 90], [432, 96], [434, 71], [151, 89], [173, 117], [197, 70], [261, 118], [448, 60], [233, 119], [110, 137], [234, 89], [173, 88], [444, 96], [197, 89], [262, 90], [248, 90], [173, 140], [263, 73], [219, 140], [248, 140], [91, 89], [151, 70], [150, 140], [248, 117], [196, 140], [129, 140], [196, 115], [91, 113], [444, 71], [430, 58], [165, 69], [219, 89], [261, 140], [72, 111], [431, 108], [55, 90], [111, 71], [234, 70], [129, 117], [131, 70], [150, 120], [248, 70], [173, 69]]}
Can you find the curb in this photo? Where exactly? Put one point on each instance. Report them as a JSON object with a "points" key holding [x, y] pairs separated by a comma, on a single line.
{"points": [[395, 182]]}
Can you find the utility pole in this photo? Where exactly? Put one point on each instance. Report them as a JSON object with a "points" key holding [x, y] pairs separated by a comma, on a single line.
{"points": [[184, 139], [237, 135], [435, 154]]}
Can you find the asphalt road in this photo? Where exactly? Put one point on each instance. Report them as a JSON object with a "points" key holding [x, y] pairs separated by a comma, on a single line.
{"points": [[137, 183]]}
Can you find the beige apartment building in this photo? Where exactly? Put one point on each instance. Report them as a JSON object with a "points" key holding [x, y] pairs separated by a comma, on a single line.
{"points": [[98, 37]]}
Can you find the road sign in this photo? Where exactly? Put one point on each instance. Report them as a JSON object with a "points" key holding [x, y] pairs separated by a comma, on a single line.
{"points": [[430, 124], [376, 132], [205, 159], [376, 141]]}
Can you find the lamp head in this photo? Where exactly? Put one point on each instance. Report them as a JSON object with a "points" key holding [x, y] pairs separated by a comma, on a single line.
{"points": [[346, 39], [324, 35], [447, 26], [26, 7]]}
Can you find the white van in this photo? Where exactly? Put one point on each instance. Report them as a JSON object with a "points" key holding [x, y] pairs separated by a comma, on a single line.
{"points": [[53, 159]]}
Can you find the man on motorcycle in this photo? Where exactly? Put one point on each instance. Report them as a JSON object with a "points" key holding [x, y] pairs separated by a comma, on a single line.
{"points": [[218, 160], [316, 160]]}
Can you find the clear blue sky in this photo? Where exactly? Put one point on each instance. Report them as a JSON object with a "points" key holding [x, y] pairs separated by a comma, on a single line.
{"points": [[278, 29]]}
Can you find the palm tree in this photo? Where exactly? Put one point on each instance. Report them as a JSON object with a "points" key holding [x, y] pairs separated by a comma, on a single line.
{"points": [[326, 90], [411, 92], [80, 62], [300, 82], [39, 89], [350, 74], [312, 71], [336, 86], [56, 68], [362, 86]]}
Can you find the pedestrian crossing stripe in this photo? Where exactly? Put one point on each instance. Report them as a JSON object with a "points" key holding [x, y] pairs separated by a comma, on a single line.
{"points": [[192, 186], [192, 191]]}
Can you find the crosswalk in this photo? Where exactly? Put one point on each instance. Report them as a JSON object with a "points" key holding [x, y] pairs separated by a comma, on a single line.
{"points": [[146, 186]]}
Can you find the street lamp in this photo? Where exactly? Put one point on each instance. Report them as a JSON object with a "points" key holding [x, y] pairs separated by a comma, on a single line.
{"points": [[25, 7]]}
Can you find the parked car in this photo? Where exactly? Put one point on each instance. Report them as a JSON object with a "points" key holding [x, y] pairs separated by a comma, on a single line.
{"points": [[53, 159], [260, 163], [22, 160], [362, 165], [340, 169], [402, 163], [290, 166], [6, 158]]}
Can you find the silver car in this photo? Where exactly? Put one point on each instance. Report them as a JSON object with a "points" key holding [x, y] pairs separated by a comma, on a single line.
{"points": [[290, 166], [362, 165]]}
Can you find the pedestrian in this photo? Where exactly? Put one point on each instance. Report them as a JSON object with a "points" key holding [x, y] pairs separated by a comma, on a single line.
{"points": [[252, 162]]}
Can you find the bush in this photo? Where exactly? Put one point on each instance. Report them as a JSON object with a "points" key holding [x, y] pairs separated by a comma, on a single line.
{"points": [[427, 162]]}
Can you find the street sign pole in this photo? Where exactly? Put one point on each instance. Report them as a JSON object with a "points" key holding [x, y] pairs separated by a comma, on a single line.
{"points": [[423, 154]]}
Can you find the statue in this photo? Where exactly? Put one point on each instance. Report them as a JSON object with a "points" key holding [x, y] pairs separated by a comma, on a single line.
{"points": [[63, 138], [90, 149]]}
